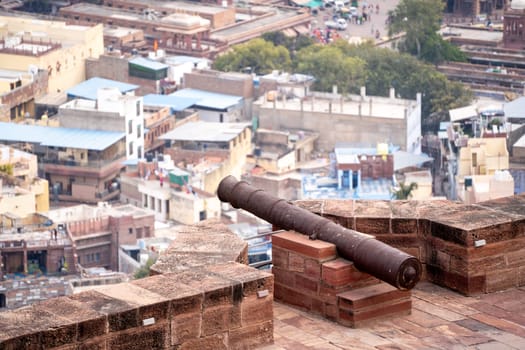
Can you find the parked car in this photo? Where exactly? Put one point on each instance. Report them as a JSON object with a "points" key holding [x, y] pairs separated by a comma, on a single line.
{"points": [[339, 24]]}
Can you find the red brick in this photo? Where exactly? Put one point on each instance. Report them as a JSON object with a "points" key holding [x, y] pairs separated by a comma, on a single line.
{"points": [[347, 318], [404, 225], [301, 244], [215, 342], [292, 297], [295, 262], [331, 312], [306, 285], [151, 337], [185, 327], [340, 272], [216, 319], [256, 310], [501, 279], [97, 344], [279, 257], [369, 296], [373, 226], [318, 306], [250, 337], [515, 258], [312, 268], [283, 276]]}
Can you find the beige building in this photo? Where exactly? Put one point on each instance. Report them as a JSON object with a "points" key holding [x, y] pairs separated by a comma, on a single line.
{"points": [[359, 119], [482, 170], [59, 48], [22, 192], [232, 141]]}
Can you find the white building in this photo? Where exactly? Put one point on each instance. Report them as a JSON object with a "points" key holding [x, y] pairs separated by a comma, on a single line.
{"points": [[111, 111]]}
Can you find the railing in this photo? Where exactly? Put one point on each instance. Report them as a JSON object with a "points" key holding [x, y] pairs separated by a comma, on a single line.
{"points": [[83, 164]]}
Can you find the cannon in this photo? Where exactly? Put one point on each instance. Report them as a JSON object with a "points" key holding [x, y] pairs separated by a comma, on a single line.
{"points": [[369, 255]]}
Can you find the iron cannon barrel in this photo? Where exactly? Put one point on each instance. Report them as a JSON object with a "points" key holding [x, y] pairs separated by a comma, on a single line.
{"points": [[387, 263]]}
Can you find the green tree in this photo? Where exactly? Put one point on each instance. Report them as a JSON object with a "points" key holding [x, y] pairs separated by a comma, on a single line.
{"points": [[292, 44], [420, 21], [404, 191], [330, 66], [143, 271], [259, 55], [408, 76]]}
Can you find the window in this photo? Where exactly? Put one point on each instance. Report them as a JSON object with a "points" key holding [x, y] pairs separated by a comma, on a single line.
{"points": [[131, 148], [130, 126], [139, 131], [139, 108], [3, 302], [139, 152], [130, 230]]}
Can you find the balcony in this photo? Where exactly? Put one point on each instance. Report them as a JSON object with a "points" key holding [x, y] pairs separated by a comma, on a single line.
{"points": [[93, 168]]}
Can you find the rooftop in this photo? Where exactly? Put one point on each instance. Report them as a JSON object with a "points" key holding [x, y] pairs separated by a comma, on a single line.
{"points": [[88, 89], [367, 106], [205, 131], [176, 103], [207, 99], [97, 140]]}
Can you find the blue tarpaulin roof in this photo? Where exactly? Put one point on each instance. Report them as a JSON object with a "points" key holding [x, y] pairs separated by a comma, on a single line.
{"points": [[210, 100], [97, 140], [88, 89], [176, 103], [144, 62]]}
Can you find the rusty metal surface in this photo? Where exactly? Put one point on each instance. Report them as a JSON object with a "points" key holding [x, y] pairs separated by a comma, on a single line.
{"points": [[389, 264]]}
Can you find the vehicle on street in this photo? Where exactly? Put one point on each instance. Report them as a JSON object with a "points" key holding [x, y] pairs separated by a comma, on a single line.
{"points": [[339, 24]]}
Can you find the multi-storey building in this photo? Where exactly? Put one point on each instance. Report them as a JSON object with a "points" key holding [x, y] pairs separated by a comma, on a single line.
{"points": [[56, 47], [80, 164], [112, 111]]}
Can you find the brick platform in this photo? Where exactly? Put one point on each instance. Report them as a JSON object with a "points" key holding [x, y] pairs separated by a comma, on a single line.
{"points": [[309, 274]]}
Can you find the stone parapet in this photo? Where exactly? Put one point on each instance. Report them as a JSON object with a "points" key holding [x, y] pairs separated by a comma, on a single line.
{"points": [[469, 248], [209, 301]]}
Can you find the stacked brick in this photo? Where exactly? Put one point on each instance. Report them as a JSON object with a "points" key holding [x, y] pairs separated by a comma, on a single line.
{"points": [[469, 248], [309, 274]]}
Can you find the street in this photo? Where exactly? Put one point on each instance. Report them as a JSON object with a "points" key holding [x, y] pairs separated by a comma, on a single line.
{"points": [[374, 26]]}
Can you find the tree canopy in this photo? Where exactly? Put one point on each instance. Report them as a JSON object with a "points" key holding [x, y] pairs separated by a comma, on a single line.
{"points": [[331, 67], [349, 67], [258, 56], [386, 68], [420, 20]]}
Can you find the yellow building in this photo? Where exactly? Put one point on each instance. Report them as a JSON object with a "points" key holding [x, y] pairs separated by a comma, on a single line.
{"points": [[60, 49], [22, 192]]}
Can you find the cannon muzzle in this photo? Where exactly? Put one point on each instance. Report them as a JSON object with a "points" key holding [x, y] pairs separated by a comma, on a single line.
{"points": [[380, 260]]}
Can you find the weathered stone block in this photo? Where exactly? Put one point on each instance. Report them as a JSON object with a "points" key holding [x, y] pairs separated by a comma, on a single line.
{"points": [[256, 310], [404, 226], [312, 268], [185, 327], [251, 337], [150, 337], [216, 319], [216, 341], [501, 279], [373, 225]]}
